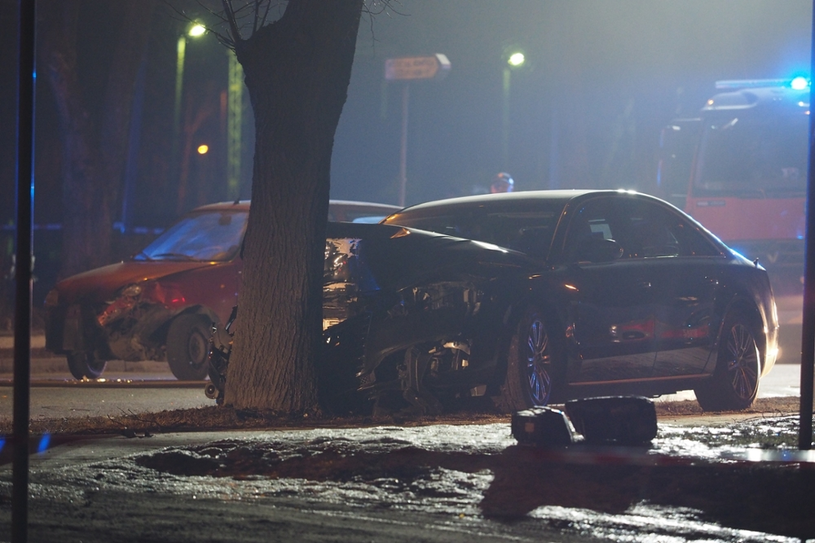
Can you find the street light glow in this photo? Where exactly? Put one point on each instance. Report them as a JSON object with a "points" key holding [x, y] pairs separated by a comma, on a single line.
{"points": [[203, 149], [800, 83], [516, 59], [197, 30]]}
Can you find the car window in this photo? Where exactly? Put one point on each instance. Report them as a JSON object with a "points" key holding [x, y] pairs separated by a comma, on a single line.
{"points": [[593, 221], [641, 228], [208, 236], [528, 231], [367, 214], [657, 232], [367, 219]]}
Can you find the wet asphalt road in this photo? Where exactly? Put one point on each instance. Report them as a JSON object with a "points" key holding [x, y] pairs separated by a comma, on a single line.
{"points": [[146, 387], [79, 489], [154, 389]]}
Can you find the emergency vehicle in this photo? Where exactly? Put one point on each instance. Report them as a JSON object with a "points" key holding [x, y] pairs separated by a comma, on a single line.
{"points": [[740, 168]]}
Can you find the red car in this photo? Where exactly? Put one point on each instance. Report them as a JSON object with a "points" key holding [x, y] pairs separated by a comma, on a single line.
{"points": [[161, 303]]}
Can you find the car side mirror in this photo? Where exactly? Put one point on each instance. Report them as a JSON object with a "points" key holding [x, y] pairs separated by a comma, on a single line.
{"points": [[599, 250]]}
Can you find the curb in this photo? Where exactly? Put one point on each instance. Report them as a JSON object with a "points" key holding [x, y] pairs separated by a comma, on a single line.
{"points": [[7, 342], [44, 362]]}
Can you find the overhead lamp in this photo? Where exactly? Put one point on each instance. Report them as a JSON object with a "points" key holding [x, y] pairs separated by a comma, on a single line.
{"points": [[516, 59], [197, 30]]}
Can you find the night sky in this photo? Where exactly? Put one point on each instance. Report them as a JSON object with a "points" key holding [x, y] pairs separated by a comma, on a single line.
{"points": [[603, 78]]}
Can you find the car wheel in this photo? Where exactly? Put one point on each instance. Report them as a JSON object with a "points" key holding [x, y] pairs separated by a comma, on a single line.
{"points": [[734, 384], [188, 347], [85, 365], [529, 379]]}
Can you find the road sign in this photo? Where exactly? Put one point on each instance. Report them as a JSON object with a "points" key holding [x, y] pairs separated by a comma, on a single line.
{"points": [[430, 67]]}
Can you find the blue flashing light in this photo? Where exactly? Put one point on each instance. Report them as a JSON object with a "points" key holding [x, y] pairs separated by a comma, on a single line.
{"points": [[45, 440], [2, 442], [799, 83]]}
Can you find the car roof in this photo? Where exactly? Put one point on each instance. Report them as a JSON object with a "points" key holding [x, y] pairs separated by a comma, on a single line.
{"points": [[558, 196], [243, 205], [355, 204], [237, 205]]}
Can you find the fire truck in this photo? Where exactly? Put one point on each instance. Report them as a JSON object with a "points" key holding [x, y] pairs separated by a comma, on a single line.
{"points": [[740, 168]]}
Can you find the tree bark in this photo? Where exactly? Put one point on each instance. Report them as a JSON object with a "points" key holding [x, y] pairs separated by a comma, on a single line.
{"points": [[297, 71]]}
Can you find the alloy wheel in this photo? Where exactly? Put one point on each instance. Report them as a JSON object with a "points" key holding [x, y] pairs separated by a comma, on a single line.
{"points": [[742, 363], [538, 360]]}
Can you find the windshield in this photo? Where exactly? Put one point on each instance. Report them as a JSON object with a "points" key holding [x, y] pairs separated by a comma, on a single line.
{"points": [[739, 157], [205, 236], [528, 231]]}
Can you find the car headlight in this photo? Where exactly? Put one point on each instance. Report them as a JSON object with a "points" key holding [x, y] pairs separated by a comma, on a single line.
{"points": [[131, 291]]}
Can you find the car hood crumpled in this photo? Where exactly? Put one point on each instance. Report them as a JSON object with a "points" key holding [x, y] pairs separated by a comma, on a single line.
{"points": [[399, 257], [102, 283]]}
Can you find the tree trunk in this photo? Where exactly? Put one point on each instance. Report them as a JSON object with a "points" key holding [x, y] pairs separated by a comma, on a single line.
{"points": [[94, 138], [297, 72]]}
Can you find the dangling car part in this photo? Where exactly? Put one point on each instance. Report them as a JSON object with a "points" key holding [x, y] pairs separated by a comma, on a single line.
{"points": [[218, 358]]}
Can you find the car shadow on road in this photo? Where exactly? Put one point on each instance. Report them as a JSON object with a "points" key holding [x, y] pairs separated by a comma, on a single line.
{"points": [[741, 495]]}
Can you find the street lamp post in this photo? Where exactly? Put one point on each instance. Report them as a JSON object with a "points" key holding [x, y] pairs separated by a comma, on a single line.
{"points": [[234, 127], [515, 60], [407, 69], [194, 31]]}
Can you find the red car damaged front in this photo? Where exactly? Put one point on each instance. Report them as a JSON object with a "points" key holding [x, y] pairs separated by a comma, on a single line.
{"points": [[126, 312], [159, 305]]}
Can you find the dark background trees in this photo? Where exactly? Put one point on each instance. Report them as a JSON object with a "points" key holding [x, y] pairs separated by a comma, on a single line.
{"points": [[115, 62], [93, 106]]}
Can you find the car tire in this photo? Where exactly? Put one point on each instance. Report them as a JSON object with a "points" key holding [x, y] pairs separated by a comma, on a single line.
{"points": [[188, 347], [85, 365], [734, 383], [530, 376]]}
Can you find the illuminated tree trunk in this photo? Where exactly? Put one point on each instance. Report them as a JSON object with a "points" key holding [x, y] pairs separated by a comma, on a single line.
{"points": [[297, 72]]}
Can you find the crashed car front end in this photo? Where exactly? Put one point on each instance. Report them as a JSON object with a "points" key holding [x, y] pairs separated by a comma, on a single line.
{"points": [[415, 317], [124, 325]]}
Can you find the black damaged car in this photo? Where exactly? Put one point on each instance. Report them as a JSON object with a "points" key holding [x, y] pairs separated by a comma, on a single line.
{"points": [[538, 297]]}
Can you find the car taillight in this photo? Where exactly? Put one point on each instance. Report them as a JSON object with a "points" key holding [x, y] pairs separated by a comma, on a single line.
{"points": [[174, 297], [167, 294]]}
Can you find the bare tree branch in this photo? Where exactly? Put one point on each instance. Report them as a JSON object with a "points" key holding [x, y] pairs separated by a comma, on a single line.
{"points": [[229, 13], [235, 15]]}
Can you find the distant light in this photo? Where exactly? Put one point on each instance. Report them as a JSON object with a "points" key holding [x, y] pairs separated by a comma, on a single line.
{"points": [[516, 59], [197, 30], [203, 149], [45, 440], [800, 83]]}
